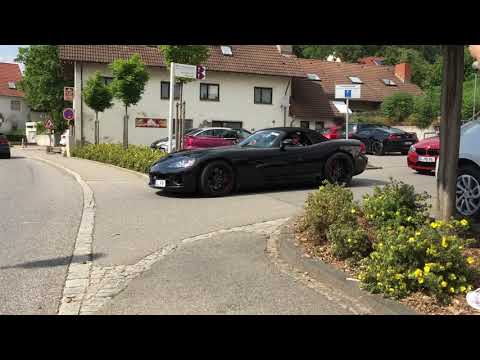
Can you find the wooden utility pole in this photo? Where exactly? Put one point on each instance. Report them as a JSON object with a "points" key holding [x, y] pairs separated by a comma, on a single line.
{"points": [[451, 106]]}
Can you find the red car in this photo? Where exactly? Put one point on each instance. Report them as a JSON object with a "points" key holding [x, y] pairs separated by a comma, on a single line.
{"points": [[423, 155], [214, 137], [336, 132]]}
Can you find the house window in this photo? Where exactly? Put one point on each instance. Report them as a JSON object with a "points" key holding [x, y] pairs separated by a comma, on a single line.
{"points": [[165, 90], [12, 85], [227, 124], [389, 82], [319, 125], [210, 92], [313, 77], [355, 80], [263, 95], [107, 80], [226, 50], [305, 124], [15, 105]]}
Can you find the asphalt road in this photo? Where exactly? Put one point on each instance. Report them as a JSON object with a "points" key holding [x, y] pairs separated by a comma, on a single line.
{"points": [[40, 211]]}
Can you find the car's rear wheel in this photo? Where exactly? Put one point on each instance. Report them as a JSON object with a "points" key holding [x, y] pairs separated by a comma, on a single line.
{"points": [[377, 148], [217, 179], [468, 191], [339, 169]]}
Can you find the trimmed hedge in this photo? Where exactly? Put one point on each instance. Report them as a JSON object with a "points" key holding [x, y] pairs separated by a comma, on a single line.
{"points": [[137, 158]]}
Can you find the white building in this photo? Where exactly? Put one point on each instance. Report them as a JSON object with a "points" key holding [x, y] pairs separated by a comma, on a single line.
{"points": [[246, 86], [14, 112]]}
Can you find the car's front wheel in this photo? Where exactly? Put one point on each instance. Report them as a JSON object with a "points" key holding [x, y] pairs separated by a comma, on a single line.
{"points": [[217, 179], [339, 169], [468, 191], [377, 148]]}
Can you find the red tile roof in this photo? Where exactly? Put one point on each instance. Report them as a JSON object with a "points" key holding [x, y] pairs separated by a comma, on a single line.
{"points": [[313, 98], [9, 73], [252, 59]]}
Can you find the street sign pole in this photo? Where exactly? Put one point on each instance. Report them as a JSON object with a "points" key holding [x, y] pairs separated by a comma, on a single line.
{"points": [[170, 115], [346, 125]]}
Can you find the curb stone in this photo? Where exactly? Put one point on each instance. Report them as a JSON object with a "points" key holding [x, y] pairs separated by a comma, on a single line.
{"points": [[77, 280], [325, 279]]}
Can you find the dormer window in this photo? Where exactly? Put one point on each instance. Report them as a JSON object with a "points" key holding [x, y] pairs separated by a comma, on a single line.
{"points": [[389, 82], [226, 50], [313, 77], [355, 80], [12, 85]]}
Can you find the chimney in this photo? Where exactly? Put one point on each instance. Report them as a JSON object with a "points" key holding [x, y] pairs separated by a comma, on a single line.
{"points": [[403, 71], [285, 50]]}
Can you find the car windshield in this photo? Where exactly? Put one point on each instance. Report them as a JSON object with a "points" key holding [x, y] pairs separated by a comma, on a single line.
{"points": [[261, 139]]}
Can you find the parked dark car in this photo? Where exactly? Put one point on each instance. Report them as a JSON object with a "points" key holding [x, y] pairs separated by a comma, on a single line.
{"points": [[267, 157], [214, 137], [381, 140], [4, 147], [338, 132]]}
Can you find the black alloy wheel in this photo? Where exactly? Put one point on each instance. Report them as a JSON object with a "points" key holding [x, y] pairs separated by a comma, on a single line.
{"points": [[339, 169], [217, 179]]}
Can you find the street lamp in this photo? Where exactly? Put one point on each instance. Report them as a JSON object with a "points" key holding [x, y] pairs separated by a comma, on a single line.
{"points": [[476, 67]]}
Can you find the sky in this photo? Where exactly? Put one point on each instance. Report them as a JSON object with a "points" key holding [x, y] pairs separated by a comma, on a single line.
{"points": [[9, 52]]}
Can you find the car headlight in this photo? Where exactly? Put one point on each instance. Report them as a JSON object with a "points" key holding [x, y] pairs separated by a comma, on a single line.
{"points": [[412, 149], [181, 163]]}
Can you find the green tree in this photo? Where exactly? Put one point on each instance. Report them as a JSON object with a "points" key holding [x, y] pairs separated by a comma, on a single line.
{"points": [[420, 67], [184, 54], [98, 96], [128, 85], [426, 108], [398, 107], [43, 81]]}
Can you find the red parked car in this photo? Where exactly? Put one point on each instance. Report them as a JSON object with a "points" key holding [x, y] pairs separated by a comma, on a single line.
{"points": [[214, 137], [423, 155]]}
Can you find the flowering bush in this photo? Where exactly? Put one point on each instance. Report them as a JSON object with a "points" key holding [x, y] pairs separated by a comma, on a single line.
{"points": [[429, 258], [396, 203], [328, 205], [138, 158], [348, 242]]}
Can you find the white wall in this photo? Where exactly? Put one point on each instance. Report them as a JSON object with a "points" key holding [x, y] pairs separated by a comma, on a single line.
{"points": [[13, 118], [236, 104]]}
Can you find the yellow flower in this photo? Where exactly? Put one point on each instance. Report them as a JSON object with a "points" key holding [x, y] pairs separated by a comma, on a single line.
{"points": [[452, 277], [398, 276], [349, 240], [434, 225], [426, 269], [464, 222], [444, 242], [443, 284], [470, 260], [417, 233], [353, 211], [462, 289], [409, 218], [418, 273], [452, 290], [411, 240], [421, 281]]}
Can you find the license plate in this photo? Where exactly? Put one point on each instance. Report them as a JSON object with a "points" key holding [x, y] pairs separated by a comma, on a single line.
{"points": [[427, 159], [160, 183], [408, 143]]}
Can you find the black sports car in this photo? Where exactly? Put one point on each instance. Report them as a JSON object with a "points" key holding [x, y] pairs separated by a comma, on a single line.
{"points": [[381, 140], [267, 157]]}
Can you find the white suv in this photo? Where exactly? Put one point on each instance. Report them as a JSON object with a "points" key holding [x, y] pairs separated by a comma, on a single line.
{"points": [[468, 176]]}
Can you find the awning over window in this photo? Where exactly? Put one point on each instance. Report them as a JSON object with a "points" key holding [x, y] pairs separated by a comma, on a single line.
{"points": [[341, 107]]}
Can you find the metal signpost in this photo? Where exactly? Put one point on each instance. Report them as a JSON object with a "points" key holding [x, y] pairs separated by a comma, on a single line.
{"points": [[347, 92], [197, 72]]}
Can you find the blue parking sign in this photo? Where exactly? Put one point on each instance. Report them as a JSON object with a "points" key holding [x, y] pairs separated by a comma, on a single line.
{"points": [[348, 93]]}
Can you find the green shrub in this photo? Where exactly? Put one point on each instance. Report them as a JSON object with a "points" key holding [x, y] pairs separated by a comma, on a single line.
{"points": [[429, 259], [138, 158], [396, 202], [398, 106], [328, 205], [348, 242]]}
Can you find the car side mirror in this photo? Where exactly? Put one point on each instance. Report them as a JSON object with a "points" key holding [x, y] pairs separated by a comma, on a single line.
{"points": [[285, 143]]}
